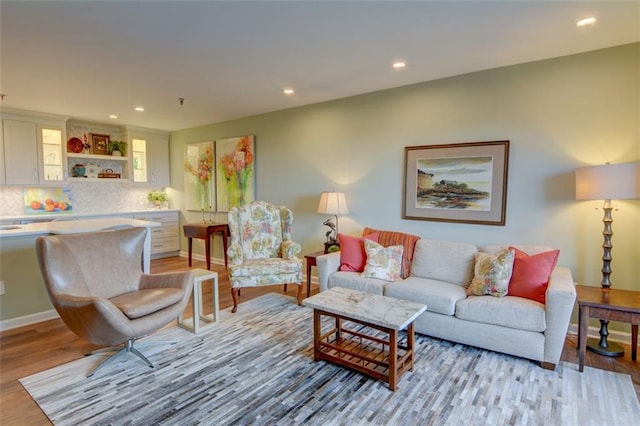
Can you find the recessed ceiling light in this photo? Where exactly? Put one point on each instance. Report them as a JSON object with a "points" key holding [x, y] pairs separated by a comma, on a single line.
{"points": [[139, 109], [586, 21], [398, 65], [113, 116], [288, 91]]}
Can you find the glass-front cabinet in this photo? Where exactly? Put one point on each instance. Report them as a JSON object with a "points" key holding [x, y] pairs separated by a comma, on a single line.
{"points": [[139, 158], [33, 148], [52, 153], [149, 156]]}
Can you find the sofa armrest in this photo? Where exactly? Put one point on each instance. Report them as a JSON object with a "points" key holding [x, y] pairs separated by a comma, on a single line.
{"points": [[327, 264], [560, 301]]}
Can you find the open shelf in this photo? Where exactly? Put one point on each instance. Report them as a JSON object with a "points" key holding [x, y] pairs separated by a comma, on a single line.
{"points": [[97, 157]]}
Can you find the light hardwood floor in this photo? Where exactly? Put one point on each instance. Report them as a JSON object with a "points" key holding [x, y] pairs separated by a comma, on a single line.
{"points": [[34, 348]]}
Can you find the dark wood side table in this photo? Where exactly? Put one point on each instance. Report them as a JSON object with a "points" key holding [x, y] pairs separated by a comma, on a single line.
{"points": [[311, 261], [608, 304], [204, 231]]}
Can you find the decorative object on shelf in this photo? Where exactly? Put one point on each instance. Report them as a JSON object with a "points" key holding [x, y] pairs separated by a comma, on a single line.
{"points": [[74, 145], [235, 182], [333, 203], [607, 182], [92, 170], [86, 146], [78, 170], [198, 174], [460, 182], [108, 174], [118, 148], [99, 144], [157, 198]]}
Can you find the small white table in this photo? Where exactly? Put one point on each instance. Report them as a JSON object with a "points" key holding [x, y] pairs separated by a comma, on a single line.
{"points": [[200, 275]]}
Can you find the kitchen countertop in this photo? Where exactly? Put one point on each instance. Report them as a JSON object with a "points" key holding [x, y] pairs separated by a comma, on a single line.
{"points": [[71, 226], [46, 217]]}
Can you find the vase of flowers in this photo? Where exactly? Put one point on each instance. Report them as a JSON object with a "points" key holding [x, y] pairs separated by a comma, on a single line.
{"points": [[158, 198]]}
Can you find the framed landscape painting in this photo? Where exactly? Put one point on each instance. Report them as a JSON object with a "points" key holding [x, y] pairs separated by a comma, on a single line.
{"points": [[463, 182], [199, 191], [235, 172]]}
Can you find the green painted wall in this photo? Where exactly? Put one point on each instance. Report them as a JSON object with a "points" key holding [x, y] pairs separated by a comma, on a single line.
{"points": [[25, 292], [559, 114]]}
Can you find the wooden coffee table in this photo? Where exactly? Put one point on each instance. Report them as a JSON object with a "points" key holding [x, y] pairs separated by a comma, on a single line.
{"points": [[378, 355]]}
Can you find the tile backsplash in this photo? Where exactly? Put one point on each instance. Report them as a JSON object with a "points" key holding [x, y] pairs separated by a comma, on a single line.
{"points": [[87, 197]]}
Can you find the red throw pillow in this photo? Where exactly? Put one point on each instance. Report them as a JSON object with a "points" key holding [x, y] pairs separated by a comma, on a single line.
{"points": [[352, 254], [530, 275]]}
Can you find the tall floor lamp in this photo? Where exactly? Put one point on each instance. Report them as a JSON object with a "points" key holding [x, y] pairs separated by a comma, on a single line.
{"points": [[607, 182], [333, 203]]}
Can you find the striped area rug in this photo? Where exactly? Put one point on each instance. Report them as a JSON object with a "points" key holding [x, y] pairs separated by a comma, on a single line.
{"points": [[256, 367]]}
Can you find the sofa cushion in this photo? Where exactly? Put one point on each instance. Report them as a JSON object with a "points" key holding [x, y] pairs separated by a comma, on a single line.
{"points": [[354, 281], [531, 274], [491, 274], [136, 304], [512, 312], [443, 260], [392, 238], [384, 263], [440, 297], [352, 254]]}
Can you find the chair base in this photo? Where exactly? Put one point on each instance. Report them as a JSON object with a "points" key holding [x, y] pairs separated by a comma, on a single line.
{"points": [[121, 350], [235, 292]]}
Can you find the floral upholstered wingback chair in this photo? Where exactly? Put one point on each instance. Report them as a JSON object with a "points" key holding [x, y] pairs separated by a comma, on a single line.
{"points": [[261, 251]]}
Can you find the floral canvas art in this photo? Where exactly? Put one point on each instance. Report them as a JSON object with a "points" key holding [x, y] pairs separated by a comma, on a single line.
{"points": [[198, 177], [235, 163]]}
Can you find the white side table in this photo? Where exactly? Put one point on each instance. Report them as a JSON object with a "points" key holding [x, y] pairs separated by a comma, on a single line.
{"points": [[200, 275]]}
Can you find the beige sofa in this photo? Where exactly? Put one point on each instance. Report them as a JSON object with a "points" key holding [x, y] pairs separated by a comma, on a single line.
{"points": [[440, 273]]}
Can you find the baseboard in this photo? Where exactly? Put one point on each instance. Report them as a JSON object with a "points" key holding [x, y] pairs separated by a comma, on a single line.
{"points": [[28, 319]]}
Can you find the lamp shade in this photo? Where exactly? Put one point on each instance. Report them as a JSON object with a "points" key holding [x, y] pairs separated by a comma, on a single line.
{"points": [[333, 203], [608, 182]]}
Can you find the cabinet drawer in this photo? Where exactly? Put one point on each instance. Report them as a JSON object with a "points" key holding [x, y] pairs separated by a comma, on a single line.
{"points": [[164, 218], [164, 231], [162, 245]]}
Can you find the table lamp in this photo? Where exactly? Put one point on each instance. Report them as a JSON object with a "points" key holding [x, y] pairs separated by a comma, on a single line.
{"points": [[607, 182], [333, 203]]}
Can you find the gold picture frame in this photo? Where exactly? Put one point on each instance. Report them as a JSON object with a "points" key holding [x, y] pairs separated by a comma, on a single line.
{"points": [[460, 182], [99, 144]]}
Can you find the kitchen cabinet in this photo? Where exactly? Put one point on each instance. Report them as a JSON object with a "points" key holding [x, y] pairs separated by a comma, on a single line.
{"points": [[150, 156], [33, 150], [165, 240]]}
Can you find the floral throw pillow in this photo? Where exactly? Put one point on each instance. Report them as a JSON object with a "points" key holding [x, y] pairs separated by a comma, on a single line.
{"points": [[492, 274], [384, 263]]}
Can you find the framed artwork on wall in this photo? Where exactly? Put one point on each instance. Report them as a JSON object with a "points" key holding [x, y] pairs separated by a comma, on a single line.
{"points": [[235, 177], [99, 144], [462, 182], [199, 192]]}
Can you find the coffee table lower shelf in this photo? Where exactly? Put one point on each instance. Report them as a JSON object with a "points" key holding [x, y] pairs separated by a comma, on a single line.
{"points": [[380, 357]]}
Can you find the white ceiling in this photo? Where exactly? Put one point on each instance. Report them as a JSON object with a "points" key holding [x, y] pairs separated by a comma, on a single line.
{"points": [[89, 59]]}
